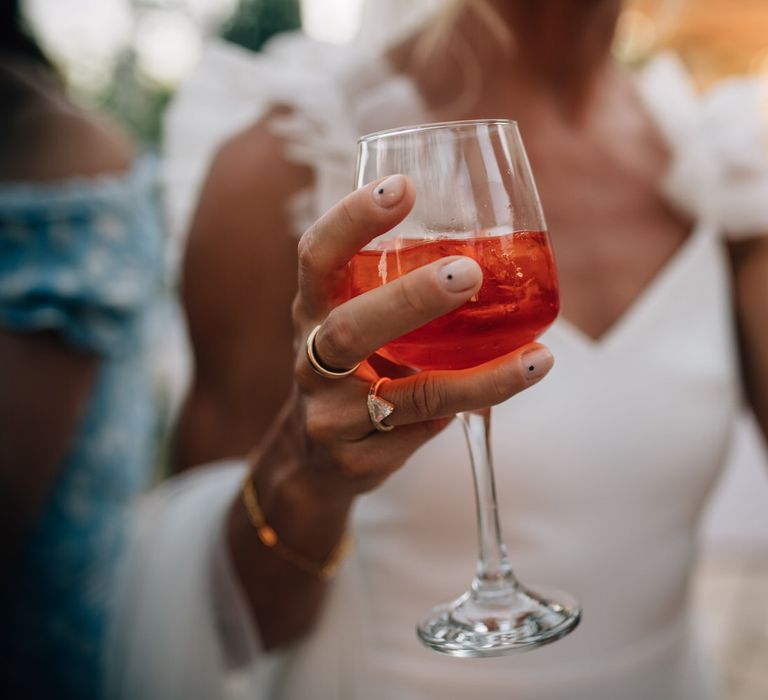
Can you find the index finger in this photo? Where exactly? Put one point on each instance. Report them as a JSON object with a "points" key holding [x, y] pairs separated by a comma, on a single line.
{"points": [[343, 230]]}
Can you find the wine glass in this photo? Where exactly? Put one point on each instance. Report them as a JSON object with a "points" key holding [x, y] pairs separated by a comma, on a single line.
{"points": [[475, 197]]}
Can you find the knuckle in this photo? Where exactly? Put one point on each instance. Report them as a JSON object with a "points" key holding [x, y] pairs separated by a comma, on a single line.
{"points": [[307, 254], [503, 383], [346, 215], [428, 396], [316, 423], [304, 249], [307, 264], [339, 336], [410, 296]]}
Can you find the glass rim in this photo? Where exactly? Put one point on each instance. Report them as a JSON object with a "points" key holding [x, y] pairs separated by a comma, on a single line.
{"points": [[401, 130]]}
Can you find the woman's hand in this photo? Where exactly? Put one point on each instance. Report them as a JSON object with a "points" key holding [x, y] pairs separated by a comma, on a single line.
{"points": [[324, 449], [344, 446]]}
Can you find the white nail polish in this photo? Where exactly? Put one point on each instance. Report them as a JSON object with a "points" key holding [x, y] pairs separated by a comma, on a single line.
{"points": [[389, 192], [461, 275], [536, 363]]}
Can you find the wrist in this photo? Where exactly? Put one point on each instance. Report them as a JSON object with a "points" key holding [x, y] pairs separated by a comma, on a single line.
{"points": [[290, 515], [308, 552], [295, 499]]}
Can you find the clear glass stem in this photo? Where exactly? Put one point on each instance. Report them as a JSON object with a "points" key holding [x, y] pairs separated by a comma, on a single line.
{"points": [[494, 574], [496, 615]]}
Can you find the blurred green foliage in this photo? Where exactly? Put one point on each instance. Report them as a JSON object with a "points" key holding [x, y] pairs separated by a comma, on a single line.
{"points": [[139, 103], [136, 102], [255, 21]]}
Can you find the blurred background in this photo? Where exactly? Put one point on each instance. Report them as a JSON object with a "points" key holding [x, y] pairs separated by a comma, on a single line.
{"points": [[128, 56]]}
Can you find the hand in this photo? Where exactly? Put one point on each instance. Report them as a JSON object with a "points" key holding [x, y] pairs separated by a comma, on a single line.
{"points": [[342, 448]]}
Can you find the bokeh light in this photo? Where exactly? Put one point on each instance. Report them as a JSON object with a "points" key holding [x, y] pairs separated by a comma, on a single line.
{"points": [[167, 45]]}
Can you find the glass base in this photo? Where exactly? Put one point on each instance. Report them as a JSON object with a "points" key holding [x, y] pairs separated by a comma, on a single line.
{"points": [[504, 622]]}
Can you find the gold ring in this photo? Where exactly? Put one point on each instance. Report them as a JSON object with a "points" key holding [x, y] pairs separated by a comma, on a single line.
{"points": [[318, 367], [379, 409]]}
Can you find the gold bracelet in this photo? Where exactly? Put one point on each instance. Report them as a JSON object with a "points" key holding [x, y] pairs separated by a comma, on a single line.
{"points": [[270, 539]]}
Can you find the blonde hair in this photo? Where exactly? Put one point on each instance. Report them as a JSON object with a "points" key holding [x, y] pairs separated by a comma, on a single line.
{"points": [[449, 14], [442, 27]]}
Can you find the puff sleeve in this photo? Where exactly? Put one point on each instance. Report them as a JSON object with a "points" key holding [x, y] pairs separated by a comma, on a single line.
{"points": [[81, 257], [735, 115]]}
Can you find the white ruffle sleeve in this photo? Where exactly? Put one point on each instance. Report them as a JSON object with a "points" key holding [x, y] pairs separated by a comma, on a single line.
{"points": [[334, 94], [233, 88], [719, 143], [181, 628], [736, 117]]}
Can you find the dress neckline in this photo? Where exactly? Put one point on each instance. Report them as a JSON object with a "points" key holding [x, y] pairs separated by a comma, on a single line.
{"points": [[642, 307], [663, 68], [667, 119]]}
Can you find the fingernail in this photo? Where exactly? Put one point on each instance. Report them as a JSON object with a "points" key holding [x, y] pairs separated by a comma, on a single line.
{"points": [[389, 192], [461, 275], [536, 363]]}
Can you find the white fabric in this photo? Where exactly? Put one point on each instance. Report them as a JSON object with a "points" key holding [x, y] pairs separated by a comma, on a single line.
{"points": [[167, 622], [231, 89], [602, 469], [725, 134], [384, 23], [338, 94]]}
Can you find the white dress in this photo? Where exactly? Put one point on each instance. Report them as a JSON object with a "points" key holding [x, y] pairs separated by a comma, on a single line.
{"points": [[602, 469]]}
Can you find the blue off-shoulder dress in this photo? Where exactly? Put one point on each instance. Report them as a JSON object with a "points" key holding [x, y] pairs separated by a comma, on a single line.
{"points": [[82, 258]]}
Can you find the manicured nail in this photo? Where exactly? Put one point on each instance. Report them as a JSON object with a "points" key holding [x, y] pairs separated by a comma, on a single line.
{"points": [[536, 363], [389, 192], [461, 275]]}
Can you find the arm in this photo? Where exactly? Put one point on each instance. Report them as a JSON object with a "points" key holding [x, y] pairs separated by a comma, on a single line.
{"points": [[750, 269], [45, 383], [238, 285], [43, 395]]}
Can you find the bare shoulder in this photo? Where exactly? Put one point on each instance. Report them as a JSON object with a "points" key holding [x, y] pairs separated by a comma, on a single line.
{"points": [[53, 140], [242, 243], [238, 284], [251, 165], [244, 204]]}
